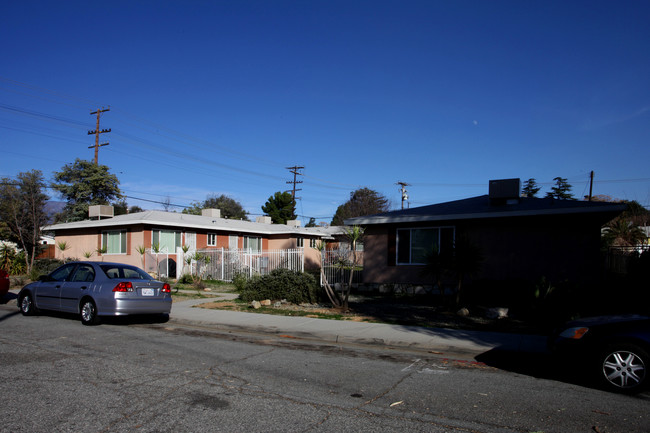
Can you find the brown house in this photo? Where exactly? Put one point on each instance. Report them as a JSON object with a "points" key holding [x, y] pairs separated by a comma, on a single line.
{"points": [[517, 237]]}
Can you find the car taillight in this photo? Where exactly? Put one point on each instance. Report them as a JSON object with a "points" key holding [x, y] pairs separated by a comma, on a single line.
{"points": [[166, 288], [124, 286]]}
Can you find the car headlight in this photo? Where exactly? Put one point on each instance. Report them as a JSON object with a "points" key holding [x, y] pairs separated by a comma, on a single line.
{"points": [[574, 333]]}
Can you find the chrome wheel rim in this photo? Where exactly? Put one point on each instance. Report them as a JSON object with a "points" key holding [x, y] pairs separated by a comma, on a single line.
{"points": [[26, 304], [624, 369], [87, 312]]}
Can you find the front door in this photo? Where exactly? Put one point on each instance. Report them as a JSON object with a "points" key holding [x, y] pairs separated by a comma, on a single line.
{"points": [[48, 293], [78, 285]]}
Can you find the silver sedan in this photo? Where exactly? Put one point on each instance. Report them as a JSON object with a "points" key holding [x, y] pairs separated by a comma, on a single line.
{"points": [[94, 289]]}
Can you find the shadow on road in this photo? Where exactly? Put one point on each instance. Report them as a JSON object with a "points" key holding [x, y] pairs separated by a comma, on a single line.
{"points": [[538, 365], [136, 319]]}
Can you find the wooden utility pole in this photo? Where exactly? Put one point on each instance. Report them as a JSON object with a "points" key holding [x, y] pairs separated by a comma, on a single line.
{"points": [[404, 192], [97, 131], [295, 172], [591, 184]]}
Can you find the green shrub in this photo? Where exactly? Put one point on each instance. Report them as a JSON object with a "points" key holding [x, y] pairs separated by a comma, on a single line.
{"points": [[240, 280], [43, 267], [295, 287], [186, 279]]}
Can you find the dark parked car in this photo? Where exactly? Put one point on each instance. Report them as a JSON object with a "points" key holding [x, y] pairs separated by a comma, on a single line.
{"points": [[94, 289], [615, 350], [4, 283]]}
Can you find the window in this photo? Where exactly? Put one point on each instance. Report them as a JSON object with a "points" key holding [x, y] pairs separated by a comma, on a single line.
{"points": [[233, 242], [114, 242], [167, 240], [313, 242], [63, 273], [253, 243], [84, 274], [212, 239], [413, 245], [124, 271], [300, 242]]}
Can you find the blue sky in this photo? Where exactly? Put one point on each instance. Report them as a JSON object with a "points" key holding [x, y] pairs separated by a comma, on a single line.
{"points": [[222, 96]]}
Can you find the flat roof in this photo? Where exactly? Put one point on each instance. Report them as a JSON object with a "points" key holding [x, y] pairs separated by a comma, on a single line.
{"points": [[482, 207]]}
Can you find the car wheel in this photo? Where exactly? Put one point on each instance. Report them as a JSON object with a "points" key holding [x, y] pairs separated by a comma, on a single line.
{"points": [[26, 305], [89, 313], [623, 368]]}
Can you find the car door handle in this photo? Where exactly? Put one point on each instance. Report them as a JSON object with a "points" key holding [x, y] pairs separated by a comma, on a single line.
{"points": [[84, 287], [58, 287]]}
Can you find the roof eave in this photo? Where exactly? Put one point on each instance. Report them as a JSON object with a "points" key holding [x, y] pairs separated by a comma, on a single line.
{"points": [[387, 219]]}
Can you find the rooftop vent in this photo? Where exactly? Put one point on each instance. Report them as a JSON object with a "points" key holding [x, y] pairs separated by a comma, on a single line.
{"points": [[100, 210], [505, 191], [293, 223], [264, 220], [214, 213]]}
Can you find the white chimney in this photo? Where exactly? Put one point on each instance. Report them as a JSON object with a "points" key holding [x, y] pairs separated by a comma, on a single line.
{"points": [[264, 220]]}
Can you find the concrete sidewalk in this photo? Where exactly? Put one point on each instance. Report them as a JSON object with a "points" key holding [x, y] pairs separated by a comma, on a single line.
{"points": [[470, 343], [439, 340]]}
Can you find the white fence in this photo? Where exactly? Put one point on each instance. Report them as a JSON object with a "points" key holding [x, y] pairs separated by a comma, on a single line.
{"points": [[223, 264], [337, 265]]}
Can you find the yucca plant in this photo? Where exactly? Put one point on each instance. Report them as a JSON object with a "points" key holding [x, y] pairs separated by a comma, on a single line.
{"points": [[63, 246], [142, 251]]}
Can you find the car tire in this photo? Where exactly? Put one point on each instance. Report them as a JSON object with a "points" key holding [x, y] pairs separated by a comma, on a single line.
{"points": [[89, 315], [624, 368], [26, 305]]}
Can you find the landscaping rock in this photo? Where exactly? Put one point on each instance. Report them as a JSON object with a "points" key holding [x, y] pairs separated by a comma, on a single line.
{"points": [[256, 305], [463, 312], [496, 313], [266, 302], [277, 304]]}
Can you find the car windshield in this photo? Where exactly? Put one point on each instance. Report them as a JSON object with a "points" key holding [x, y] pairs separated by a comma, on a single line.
{"points": [[124, 271]]}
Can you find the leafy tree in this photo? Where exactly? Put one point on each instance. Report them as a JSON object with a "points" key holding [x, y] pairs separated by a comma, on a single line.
{"points": [[230, 208], [83, 184], [120, 207], [22, 210], [363, 201], [530, 188], [311, 223], [281, 207], [561, 190], [134, 209]]}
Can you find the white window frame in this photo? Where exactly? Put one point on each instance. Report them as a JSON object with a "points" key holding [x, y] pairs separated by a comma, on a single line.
{"points": [[177, 239], [122, 239], [312, 242], [247, 243], [300, 242], [212, 239]]}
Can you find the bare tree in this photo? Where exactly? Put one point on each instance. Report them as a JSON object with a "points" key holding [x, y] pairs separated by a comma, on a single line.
{"points": [[340, 299], [22, 209]]}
